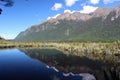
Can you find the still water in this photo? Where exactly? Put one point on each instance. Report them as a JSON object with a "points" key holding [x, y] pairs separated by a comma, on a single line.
{"points": [[47, 64]]}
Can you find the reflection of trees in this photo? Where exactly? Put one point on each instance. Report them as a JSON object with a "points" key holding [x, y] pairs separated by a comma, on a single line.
{"points": [[70, 63]]}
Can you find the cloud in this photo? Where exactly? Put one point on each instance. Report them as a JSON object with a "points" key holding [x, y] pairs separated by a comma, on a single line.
{"points": [[56, 16], [88, 9], [48, 18], [94, 1], [70, 2], [57, 6], [109, 1], [53, 16], [67, 10]]}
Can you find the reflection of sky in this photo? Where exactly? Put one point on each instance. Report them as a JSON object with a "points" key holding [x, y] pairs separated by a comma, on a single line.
{"points": [[86, 76], [16, 63]]}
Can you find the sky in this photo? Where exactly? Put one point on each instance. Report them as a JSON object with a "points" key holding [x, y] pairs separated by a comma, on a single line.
{"points": [[25, 13]]}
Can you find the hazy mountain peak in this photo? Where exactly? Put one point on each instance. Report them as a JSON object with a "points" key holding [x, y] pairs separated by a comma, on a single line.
{"points": [[71, 16], [76, 15], [102, 11], [118, 6], [60, 17]]}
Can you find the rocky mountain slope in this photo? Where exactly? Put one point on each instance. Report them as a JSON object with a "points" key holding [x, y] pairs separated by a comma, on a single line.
{"points": [[101, 25], [1, 38]]}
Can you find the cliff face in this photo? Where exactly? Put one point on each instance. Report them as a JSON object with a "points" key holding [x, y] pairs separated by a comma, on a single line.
{"points": [[101, 25]]}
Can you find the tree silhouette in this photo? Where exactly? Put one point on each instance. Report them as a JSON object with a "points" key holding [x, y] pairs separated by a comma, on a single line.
{"points": [[6, 3], [0, 11]]}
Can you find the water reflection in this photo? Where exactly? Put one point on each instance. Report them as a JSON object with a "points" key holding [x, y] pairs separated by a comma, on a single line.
{"points": [[16, 65], [68, 64]]}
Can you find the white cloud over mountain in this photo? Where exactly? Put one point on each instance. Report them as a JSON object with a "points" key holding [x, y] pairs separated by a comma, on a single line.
{"points": [[88, 9], [70, 2], [53, 16], [67, 10], [94, 1], [57, 6]]}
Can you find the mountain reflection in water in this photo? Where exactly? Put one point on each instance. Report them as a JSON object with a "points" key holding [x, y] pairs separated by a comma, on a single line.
{"points": [[68, 64], [16, 65]]}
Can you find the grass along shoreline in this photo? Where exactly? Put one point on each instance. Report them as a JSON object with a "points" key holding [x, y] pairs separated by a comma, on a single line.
{"points": [[107, 52]]}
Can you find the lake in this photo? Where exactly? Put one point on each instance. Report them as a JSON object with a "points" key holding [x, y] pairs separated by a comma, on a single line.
{"points": [[47, 64]]}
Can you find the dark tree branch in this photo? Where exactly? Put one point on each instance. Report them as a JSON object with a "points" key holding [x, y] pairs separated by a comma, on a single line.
{"points": [[7, 3], [0, 10]]}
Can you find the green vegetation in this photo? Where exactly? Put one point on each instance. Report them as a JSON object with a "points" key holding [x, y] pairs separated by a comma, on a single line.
{"points": [[94, 30], [106, 52], [91, 30]]}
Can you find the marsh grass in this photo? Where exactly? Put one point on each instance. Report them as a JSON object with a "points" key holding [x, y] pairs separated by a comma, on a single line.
{"points": [[107, 52]]}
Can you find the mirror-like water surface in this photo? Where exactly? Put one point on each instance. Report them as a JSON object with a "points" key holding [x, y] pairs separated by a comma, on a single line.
{"points": [[47, 64]]}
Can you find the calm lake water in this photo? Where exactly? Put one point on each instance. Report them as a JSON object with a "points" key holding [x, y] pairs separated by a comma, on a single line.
{"points": [[47, 64]]}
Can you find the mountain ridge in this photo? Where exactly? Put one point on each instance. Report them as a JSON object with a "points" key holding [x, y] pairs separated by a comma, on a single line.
{"points": [[77, 26]]}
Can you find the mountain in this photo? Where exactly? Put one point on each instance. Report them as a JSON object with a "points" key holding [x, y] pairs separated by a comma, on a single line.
{"points": [[1, 38], [101, 25]]}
